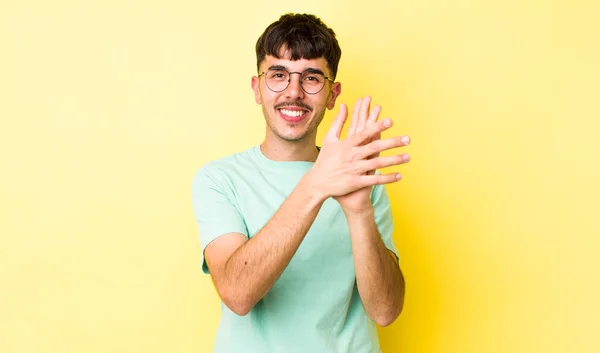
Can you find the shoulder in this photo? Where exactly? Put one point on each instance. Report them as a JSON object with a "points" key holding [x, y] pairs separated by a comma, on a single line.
{"points": [[231, 161], [225, 167]]}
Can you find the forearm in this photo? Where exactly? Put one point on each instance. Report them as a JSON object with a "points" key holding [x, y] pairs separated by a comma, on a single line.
{"points": [[254, 267], [378, 276]]}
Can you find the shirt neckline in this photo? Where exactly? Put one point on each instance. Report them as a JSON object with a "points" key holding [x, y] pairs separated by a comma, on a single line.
{"points": [[264, 161]]}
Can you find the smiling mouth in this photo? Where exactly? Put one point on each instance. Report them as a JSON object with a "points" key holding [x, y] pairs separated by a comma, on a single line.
{"points": [[295, 113]]}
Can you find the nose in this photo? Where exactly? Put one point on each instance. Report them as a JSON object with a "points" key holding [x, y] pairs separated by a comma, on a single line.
{"points": [[294, 89]]}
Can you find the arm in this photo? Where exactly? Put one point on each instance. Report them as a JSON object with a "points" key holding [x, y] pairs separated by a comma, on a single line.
{"points": [[378, 276], [244, 270]]}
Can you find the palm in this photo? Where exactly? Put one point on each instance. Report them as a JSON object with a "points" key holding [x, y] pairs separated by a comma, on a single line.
{"points": [[361, 118]]}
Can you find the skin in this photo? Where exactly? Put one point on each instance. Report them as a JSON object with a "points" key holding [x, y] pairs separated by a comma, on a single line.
{"points": [[285, 141], [380, 281], [243, 270]]}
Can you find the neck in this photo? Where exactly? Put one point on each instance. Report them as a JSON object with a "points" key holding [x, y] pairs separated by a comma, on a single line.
{"points": [[287, 151]]}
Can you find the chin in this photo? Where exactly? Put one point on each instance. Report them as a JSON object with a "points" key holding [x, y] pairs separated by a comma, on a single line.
{"points": [[289, 133], [292, 138]]}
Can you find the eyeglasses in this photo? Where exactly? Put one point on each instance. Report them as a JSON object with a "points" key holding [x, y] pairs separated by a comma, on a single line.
{"points": [[278, 79]]}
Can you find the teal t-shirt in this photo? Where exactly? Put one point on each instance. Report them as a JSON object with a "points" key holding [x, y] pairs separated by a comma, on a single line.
{"points": [[314, 306]]}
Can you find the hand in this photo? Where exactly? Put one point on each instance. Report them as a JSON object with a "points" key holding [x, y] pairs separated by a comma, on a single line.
{"points": [[345, 166], [362, 116]]}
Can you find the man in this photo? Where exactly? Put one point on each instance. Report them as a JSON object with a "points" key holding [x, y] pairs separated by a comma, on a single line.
{"points": [[298, 239]]}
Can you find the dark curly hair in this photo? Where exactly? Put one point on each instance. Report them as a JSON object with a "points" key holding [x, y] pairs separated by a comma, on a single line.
{"points": [[304, 35]]}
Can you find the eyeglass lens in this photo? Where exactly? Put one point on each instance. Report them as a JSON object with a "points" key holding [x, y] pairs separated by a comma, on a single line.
{"points": [[278, 80]]}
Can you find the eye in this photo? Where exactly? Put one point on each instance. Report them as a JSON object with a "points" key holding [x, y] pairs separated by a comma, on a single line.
{"points": [[313, 78], [277, 75]]}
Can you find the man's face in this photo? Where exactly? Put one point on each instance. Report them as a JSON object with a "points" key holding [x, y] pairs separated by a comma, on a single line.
{"points": [[293, 114]]}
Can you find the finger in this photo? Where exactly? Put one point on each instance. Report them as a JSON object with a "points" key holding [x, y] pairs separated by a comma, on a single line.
{"points": [[373, 149], [374, 115], [338, 124], [368, 133], [375, 138], [363, 113], [379, 179], [383, 162], [352, 130]]}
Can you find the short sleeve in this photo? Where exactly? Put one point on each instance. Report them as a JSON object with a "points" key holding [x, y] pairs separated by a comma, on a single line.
{"points": [[383, 216], [215, 209]]}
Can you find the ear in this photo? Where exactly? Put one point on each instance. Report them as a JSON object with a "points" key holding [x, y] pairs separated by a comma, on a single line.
{"points": [[256, 88], [336, 90]]}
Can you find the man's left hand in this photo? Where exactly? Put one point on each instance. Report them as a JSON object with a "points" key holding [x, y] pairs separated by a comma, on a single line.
{"points": [[362, 116]]}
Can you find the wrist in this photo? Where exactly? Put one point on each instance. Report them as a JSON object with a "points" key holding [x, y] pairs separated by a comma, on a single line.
{"points": [[313, 188], [361, 223], [365, 211]]}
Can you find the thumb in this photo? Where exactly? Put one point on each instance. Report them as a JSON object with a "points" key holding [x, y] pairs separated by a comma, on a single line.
{"points": [[337, 125]]}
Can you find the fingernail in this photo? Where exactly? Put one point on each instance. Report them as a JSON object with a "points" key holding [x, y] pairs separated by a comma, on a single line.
{"points": [[398, 176], [406, 158], [388, 123], [405, 140]]}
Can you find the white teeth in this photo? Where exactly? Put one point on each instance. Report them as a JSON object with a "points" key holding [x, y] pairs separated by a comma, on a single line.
{"points": [[292, 113]]}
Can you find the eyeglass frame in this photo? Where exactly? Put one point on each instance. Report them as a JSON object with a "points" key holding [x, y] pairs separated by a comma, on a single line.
{"points": [[282, 68]]}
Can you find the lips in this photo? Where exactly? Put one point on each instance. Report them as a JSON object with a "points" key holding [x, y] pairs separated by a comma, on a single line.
{"points": [[292, 114]]}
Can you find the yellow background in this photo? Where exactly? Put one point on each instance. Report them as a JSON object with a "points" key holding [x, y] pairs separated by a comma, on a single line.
{"points": [[109, 107]]}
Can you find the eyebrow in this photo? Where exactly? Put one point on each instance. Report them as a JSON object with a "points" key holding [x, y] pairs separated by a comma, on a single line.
{"points": [[311, 70]]}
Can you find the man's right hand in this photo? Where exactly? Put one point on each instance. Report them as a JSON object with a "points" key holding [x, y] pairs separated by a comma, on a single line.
{"points": [[343, 165]]}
